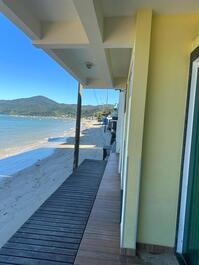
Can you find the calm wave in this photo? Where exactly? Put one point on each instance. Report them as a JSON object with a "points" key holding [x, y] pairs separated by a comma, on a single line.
{"points": [[20, 131]]}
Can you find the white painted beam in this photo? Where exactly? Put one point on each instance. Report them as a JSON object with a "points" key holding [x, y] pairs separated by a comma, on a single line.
{"points": [[92, 21], [119, 83], [89, 19], [17, 12], [55, 44]]}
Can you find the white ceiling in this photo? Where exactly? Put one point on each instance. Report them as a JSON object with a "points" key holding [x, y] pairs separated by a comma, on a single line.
{"points": [[120, 61], [52, 10], [62, 10], [78, 59], [129, 7]]}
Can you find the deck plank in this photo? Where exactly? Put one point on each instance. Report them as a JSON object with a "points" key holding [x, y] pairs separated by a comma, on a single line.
{"points": [[100, 244], [52, 235]]}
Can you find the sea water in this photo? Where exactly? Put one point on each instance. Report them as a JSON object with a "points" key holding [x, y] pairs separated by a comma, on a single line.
{"points": [[16, 131]]}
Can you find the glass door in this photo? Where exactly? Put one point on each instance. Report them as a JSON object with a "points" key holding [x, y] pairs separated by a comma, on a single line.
{"points": [[191, 228]]}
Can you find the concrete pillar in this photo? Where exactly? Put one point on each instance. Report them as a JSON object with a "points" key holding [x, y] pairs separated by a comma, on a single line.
{"points": [[137, 89]]}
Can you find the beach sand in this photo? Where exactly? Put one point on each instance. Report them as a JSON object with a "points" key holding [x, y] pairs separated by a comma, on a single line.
{"points": [[21, 193]]}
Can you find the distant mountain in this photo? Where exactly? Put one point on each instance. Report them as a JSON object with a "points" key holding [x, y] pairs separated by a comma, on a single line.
{"points": [[43, 106]]}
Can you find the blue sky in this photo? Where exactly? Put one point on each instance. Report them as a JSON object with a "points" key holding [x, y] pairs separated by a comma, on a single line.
{"points": [[26, 71]]}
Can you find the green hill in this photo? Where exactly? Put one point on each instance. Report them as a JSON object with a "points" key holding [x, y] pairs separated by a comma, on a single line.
{"points": [[42, 106]]}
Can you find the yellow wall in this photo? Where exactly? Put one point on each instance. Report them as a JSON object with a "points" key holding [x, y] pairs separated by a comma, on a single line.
{"points": [[171, 41]]}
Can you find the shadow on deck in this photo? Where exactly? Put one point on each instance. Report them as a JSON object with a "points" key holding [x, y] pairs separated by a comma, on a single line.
{"points": [[52, 235]]}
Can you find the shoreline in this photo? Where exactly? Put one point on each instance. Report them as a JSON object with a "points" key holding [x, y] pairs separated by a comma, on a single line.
{"points": [[48, 117], [51, 141], [12, 151], [37, 116], [13, 160]]}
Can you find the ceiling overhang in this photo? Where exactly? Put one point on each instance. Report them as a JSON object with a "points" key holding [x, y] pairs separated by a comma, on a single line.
{"points": [[91, 39], [94, 49]]}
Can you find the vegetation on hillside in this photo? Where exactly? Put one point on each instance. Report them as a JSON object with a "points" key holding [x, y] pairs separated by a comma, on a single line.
{"points": [[42, 106]]}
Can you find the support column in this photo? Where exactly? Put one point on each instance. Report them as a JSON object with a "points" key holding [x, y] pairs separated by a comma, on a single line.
{"points": [[78, 127], [137, 95], [120, 122]]}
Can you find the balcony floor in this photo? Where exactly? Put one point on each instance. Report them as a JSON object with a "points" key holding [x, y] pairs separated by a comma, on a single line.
{"points": [[100, 244]]}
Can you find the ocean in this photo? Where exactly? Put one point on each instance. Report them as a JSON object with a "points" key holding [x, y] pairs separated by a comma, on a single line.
{"points": [[22, 131]]}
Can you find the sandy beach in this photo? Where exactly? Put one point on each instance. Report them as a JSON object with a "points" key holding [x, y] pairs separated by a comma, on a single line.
{"points": [[27, 179]]}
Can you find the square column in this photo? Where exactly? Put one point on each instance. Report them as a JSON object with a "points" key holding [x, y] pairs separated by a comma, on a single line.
{"points": [[137, 88]]}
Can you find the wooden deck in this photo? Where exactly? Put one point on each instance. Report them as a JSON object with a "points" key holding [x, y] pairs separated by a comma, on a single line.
{"points": [[53, 234], [100, 244]]}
